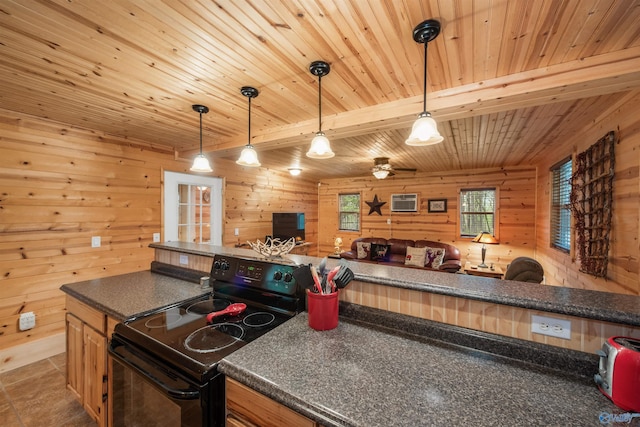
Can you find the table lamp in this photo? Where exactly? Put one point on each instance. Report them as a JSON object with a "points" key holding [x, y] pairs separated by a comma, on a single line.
{"points": [[484, 238], [337, 243]]}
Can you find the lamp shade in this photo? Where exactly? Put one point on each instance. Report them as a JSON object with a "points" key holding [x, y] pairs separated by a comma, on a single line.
{"points": [[248, 157], [201, 164], [320, 147], [485, 238], [424, 132], [381, 174]]}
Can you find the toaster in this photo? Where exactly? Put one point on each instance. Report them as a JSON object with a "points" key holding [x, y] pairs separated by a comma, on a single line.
{"points": [[618, 375]]}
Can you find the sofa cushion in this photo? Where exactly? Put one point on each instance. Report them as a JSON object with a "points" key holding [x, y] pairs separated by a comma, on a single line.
{"points": [[363, 250], [434, 257], [380, 252], [415, 256]]}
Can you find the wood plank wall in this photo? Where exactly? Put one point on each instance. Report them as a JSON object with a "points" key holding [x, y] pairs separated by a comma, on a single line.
{"points": [[624, 252], [515, 210], [61, 185]]}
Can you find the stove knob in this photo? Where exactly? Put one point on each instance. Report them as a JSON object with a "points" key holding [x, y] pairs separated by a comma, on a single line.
{"points": [[225, 265], [216, 265], [288, 277], [277, 275]]}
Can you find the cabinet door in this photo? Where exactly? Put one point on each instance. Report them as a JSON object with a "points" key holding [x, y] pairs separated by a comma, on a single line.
{"points": [[95, 374], [246, 406], [75, 351]]}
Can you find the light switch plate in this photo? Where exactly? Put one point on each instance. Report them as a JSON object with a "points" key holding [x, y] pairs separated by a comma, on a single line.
{"points": [[184, 260], [27, 321], [95, 241], [156, 237]]}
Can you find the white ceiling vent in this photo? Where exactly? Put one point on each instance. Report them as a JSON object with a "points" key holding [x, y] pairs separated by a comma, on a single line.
{"points": [[404, 203]]}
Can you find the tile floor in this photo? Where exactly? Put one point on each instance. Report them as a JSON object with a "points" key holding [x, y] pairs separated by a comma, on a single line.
{"points": [[36, 396]]}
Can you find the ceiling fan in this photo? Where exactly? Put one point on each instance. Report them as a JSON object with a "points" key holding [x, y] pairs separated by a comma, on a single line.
{"points": [[382, 168]]}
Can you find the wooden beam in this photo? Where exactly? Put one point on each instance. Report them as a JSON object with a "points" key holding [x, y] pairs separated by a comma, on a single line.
{"points": [[608, 73]]}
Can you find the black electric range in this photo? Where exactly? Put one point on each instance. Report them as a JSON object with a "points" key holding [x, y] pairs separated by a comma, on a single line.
{"points": [[176, 351]]}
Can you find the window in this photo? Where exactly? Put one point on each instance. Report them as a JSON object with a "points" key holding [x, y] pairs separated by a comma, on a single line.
{"points": [[192, 208], [477, 211], [349, 212], [560, 228]]}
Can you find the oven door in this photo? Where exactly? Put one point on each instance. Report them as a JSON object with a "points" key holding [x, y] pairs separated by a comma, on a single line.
{"points": [[146, 392]]}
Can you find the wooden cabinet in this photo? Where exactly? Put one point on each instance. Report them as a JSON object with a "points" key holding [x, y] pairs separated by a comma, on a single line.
{"points": [[87, 377], [248, 408]]}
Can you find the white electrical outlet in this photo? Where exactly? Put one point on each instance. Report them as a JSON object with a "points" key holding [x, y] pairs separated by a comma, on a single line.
{"points": [[184, 260], [95, 241], [389, 221], [27, 321], [236, 231], [156, 237], [551, 326]]}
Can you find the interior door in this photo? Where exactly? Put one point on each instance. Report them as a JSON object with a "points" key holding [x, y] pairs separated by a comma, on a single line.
{"points": [[192, 208]]}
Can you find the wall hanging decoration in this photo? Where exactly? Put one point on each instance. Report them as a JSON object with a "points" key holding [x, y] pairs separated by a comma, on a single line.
{"points": [[437, 205], [592, 204], [320, 146], [249, 157], [425, 129], [375, 205], [201, 163]]}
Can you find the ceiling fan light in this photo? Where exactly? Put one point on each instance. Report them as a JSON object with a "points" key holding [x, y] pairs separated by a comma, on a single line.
{"points": [[201, 164], [424, 132], [248, 157], [320, 147], [381, 174]]}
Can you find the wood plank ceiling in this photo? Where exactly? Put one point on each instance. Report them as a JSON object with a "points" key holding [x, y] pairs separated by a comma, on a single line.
{"points": [[506, 78]]}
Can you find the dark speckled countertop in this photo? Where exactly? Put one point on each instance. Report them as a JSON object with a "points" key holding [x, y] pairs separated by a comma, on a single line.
{"points": [[356, 375], [617, 308], [132, 294]]}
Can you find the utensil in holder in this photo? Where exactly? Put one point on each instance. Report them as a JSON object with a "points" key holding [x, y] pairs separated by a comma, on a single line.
{"points": [[322, 310]]}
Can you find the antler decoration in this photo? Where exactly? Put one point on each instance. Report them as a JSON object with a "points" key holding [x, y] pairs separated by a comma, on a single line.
{"points": [[274, 247]]}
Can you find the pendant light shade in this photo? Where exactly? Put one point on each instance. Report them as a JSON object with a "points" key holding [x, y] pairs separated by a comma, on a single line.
{"points": [[425, 129], [320, 146], [249, 156], [200, 163]]}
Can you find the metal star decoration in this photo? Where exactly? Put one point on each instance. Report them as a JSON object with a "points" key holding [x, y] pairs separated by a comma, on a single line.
{"points": [[375, 205]]}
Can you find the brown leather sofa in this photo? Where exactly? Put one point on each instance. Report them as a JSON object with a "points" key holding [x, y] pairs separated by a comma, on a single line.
{"points": [[398, 251]]}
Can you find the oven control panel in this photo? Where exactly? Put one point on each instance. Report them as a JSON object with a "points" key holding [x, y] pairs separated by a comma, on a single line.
{"points": [[263, 275]]}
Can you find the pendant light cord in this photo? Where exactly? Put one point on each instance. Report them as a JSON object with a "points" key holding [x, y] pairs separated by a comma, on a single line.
{"points": [[249, 133], [201, 133], [319, 103], [424, 102]]}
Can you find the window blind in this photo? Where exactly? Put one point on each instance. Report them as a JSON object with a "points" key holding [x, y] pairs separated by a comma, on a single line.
{"points": [[560, 227]]}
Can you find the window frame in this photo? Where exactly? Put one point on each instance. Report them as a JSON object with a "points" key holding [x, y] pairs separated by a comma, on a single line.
{"points": [[560, 232], [358, 212], [495, 212]]}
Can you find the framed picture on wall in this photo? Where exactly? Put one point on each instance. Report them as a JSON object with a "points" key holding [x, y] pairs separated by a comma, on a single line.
{"points": [[437, 205]]}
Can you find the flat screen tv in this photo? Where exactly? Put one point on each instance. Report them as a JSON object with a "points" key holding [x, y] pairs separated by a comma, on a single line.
{"points": [[288, 225]]}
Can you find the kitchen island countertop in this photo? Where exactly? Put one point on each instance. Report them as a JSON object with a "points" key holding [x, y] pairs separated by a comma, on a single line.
{"points": [[355, 375], [597, 305]]}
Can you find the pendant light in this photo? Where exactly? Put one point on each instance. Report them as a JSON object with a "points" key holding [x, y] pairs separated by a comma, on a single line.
{"points": [[425, 129], [249, 157], [200, 163], [320, 146]]}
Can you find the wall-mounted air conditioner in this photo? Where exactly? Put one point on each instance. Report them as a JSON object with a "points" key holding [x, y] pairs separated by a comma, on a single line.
{"points": [[404, 203]]}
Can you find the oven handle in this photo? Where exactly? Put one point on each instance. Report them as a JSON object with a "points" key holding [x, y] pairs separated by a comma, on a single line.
{"points": [[153, 373]]}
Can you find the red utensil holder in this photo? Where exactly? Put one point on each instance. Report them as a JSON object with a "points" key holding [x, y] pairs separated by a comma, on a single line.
{"points": [[323, 310]]}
